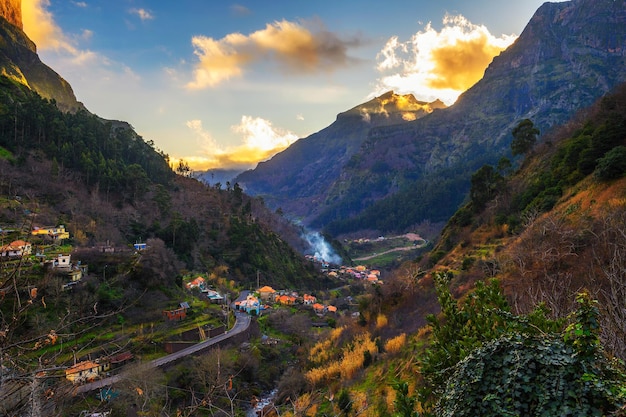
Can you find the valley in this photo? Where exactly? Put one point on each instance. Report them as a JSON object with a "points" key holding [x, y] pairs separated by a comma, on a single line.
{"points": [[459, 261]]}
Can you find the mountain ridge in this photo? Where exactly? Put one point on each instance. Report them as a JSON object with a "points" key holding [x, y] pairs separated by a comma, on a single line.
{"points": [[568, 55], [324, 153]]}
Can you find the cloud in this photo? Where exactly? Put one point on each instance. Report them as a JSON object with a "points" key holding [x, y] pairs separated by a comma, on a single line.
{"points": [[41, 28], [143, 14], [294, 48], [261, 141], [240, 10], [440, 64]]}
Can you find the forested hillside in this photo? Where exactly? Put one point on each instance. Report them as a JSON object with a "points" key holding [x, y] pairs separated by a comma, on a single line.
{"points": [[518, 308]]}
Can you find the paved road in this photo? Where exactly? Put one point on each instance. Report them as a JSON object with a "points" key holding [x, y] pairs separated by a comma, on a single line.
{"points": [[241, 324]]}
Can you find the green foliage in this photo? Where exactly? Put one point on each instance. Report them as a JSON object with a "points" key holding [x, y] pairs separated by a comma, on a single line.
{"points": [[524, 137], [404, 404], [344, 402], [104, 153], [547, 374], [612, 165], [485, 185], [463, 326]]}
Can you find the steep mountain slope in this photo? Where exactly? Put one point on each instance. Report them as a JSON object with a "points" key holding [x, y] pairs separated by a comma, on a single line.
{"points": [[302, 174], [20, 62], [569, 54], [553, 238]]}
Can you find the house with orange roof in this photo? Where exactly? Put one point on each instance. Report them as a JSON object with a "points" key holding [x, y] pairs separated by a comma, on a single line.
{"points": [[331, 309], [285, 299], [16, 249], [196, 283], [318, 308], [266, 293], [309, 299], [86, 371]]}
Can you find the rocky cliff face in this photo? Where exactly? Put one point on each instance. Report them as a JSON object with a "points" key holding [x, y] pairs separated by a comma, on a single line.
{"points": [[20, 62], [11, 10]]}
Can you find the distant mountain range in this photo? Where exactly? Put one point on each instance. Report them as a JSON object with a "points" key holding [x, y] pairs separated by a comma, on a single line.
{"points": [[391, 172]]}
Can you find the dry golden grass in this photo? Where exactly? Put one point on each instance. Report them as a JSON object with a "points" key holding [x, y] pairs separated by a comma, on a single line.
{"points": [[395, 344], [348, 362], [381, 321]]}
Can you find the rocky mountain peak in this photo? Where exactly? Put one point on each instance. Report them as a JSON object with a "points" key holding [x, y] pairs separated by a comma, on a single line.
{"points": [[11, 10]]}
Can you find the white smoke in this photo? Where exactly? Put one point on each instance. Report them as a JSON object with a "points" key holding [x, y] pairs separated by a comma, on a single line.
{"points": [[322, 249]]}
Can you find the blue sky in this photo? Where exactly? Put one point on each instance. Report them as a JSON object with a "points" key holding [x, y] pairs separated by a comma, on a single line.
{"points": [[227, 84]]}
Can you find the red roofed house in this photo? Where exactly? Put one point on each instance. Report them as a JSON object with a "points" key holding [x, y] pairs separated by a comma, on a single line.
{"points": [[309, 299]]}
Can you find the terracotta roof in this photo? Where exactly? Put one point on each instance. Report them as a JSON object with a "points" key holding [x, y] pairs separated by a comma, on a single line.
{"points": [[267, 289], [81, 366]]}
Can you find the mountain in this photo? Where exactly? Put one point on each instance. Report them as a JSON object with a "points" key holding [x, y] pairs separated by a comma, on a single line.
{"points": [[19, 61], [516, 306], [298, 179], [402, 174]]}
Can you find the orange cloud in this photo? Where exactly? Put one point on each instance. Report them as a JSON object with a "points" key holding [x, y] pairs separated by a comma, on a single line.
{"points": [[261, 141], [439, 64], [293, 47], [40, 27]]}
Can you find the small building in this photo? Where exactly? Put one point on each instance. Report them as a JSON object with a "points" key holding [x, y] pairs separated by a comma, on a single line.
{"points": [[287, 300], [250, 305], [86, 371], [176, 314], [140, 246], [62, 262], [266, 293], [318, 308], [196, 283], [56, 233], [309, 299], [214, 296], [16, 249]]}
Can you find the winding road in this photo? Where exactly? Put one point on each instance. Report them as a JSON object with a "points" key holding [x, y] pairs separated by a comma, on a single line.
{"points": [[241, 324]]}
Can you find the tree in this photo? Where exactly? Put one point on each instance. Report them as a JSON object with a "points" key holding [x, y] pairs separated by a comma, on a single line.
{"points": [[612, 165], [344, 402], [404, 404], [524, 137], [484, 186]]}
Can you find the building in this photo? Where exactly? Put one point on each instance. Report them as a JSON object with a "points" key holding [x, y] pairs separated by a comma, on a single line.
{"points": [[86, 371], [16, 249], [55, 233]]}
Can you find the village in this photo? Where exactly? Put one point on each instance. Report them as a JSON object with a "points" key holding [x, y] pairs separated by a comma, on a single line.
{"points": [[261, 301]]}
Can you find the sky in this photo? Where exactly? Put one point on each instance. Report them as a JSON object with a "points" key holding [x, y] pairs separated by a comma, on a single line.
{"points": [[222, 84]]}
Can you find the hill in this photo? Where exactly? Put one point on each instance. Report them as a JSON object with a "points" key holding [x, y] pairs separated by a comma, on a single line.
{"points": [[409, 172], [502, 306], [298, 179]]}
